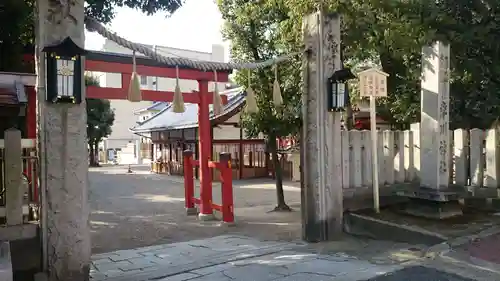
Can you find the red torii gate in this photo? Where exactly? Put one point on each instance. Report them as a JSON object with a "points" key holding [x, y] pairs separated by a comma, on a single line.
{"points": [[120, 63]]}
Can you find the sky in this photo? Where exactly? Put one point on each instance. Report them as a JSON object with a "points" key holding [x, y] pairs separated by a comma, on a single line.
{"points": [[195, 26]]}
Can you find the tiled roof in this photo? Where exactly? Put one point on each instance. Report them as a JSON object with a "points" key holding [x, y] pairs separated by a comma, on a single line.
{"points": [[12, 94], [168, 120], [156, 106]]}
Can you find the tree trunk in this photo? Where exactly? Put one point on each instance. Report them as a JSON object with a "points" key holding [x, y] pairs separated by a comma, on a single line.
{"points": [[96, 153], [348, 122], [91, 154], [278, 175], [63, 146]]}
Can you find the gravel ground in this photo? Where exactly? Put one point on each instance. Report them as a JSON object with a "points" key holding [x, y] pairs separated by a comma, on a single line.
{"points": [[142, 209]]}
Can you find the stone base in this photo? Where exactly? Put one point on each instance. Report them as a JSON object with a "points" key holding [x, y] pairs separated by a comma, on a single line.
{"points": [[433, 209], [450, 193], [191, 211], [206, 217]]}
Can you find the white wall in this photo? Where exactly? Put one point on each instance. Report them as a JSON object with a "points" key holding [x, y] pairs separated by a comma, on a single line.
{"points": [[229, 132], [124, 116]]}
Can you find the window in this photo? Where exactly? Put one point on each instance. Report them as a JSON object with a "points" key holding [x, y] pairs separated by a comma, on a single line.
{"points": [[144, 80]]}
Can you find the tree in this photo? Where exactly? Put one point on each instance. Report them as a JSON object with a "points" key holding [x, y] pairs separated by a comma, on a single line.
{"points": [[390, 35], [17, 20], [257, 30], [100, 119]]}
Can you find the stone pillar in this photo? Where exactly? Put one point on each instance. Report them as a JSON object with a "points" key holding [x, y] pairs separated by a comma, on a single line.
{"points": [[434, 127], [63, 154], [13, 171], [322, 201]]}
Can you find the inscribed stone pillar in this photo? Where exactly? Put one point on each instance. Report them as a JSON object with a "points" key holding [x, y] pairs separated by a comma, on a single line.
{"points": [[63, 153], [320, 153], [13, 170], [434, 128]]}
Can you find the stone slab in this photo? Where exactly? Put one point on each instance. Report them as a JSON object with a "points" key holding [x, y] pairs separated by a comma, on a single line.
{"points": [[243, 259], [168, 260], [433, 210]]}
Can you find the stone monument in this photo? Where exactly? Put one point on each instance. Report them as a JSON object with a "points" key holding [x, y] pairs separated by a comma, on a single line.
{"points": [[63, 151], [435, 198], [321, 173], [435, 109]]}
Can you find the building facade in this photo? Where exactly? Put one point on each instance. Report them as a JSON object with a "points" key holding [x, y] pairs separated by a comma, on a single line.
{"points": [[128, 114]]}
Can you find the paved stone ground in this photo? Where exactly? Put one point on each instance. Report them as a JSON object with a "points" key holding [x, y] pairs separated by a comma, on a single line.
{"points": [[232, 258], [240, 258], [478, 251], [419, 273], [487, 248], [142, 209]]}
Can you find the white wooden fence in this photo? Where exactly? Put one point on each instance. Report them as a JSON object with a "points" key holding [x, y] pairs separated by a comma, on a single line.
{"points": [[15, 202], [474, 157]]}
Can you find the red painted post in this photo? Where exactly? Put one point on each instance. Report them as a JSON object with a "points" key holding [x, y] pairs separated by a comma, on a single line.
{"points": [[189, 182], [205, 145], [31, 113], [227, 187]]}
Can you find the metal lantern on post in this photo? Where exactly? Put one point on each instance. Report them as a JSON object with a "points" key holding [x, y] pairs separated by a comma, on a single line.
{"points": [[337, 89], [64, 77]]}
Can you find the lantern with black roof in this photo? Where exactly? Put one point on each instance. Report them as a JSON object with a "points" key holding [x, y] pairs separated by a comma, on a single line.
{"points": [[337, 89], [64, 77]]}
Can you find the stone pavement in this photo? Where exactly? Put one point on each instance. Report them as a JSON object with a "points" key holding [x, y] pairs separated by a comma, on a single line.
{"points": [[231, 258], [478, 251]]}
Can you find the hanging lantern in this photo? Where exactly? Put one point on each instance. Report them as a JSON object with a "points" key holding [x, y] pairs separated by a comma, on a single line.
{"points": [[217, 101], [134, 88], [251, 102], [178, 102], [64, 76], [337, 90], [277, 98]]}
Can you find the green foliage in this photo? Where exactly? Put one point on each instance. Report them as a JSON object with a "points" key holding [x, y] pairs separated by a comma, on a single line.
{"points": [[17, 23], [100, 116], [388, 34], [260, 31], [16, 31]]}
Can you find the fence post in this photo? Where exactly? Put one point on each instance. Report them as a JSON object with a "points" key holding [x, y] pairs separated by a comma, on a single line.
{"points": [[13, 171], [189, 182], [227, 187]]}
